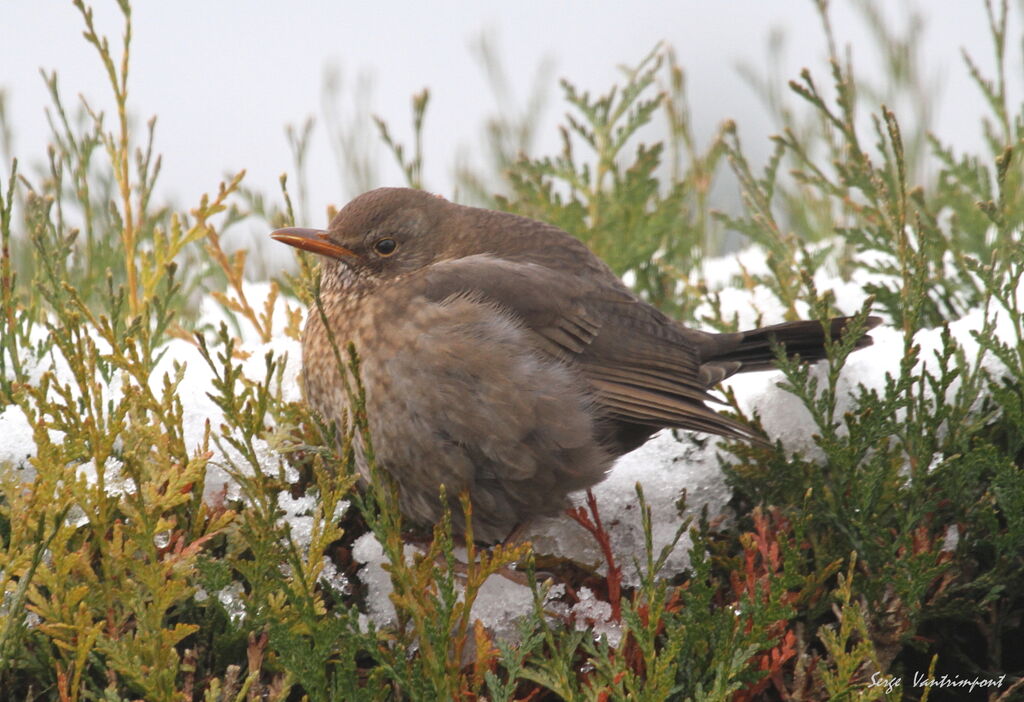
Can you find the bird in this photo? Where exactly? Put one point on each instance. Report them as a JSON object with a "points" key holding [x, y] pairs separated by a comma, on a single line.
{"points": [[500, 357]]}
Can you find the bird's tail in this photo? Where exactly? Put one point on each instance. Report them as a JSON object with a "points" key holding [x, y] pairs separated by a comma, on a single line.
{"points": [[741, 352]]}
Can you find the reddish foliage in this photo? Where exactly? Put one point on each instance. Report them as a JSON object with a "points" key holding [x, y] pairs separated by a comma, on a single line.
{"points": [[762, 561], [597, 530]]}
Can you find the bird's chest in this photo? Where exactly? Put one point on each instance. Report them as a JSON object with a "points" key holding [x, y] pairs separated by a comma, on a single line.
{"points": [[378, 326]]}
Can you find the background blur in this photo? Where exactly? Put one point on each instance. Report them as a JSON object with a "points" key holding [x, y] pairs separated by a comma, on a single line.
{"points": [[225, 78]]}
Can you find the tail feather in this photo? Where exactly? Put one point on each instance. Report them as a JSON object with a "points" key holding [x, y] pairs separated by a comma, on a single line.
{"points": [[747, 351]]}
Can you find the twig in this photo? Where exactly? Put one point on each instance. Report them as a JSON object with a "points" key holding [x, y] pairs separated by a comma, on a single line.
{"points": [[597, 530]]}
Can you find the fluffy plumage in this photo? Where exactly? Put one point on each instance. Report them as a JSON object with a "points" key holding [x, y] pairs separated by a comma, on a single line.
{"points": [[500, 356]]}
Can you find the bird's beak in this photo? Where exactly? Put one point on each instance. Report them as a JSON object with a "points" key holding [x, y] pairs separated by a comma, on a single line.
{"points": [[313, 240]]}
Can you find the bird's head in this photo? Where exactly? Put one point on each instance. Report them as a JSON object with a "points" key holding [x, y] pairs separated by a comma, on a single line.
{"points": [[388, 232], [380, 234]]}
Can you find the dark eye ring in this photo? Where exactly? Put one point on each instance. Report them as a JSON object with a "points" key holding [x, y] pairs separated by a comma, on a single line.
{"points": [[385, 247]]}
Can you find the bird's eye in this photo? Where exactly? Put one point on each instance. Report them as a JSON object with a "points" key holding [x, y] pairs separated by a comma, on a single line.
{"points": [[385, 247]]}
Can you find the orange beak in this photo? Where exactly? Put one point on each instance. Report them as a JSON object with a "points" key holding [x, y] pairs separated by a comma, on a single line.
{"points": [[313, 240]]}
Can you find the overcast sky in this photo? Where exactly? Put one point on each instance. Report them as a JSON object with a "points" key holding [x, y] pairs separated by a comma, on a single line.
{"points": [[226, 77]]}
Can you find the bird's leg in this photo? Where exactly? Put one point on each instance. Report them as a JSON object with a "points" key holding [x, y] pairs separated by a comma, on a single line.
{"points": [[461, 569], [516, 535]]}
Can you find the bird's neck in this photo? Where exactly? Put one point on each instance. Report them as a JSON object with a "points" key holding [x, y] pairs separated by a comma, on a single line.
{"points": [[345, 289]]}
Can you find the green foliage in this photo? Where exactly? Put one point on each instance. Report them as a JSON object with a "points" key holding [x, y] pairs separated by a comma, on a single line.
{"points": [[896, 547], [939, 437], [412, 166], [635, 221], [680, 642]]}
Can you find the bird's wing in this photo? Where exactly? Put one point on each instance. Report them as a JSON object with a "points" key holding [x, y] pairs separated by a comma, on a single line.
{"points": [[643, 367], [549, 303]]}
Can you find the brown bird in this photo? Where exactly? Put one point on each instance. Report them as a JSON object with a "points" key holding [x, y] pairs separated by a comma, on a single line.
{"points": [[500, 356]]}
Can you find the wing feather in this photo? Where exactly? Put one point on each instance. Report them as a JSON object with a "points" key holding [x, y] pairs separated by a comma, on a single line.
{"points": [[643, 367]]}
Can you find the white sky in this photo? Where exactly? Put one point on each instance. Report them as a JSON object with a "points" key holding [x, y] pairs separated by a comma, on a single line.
{"points": [[225, 77]]}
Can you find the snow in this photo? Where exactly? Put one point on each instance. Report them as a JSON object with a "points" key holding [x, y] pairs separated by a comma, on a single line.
{"points": [[499, 603], [595, 614], [333, 579], [667, 466], [232, 599], [114, 481], [17, 444], [368, 550], [300, 511]]}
